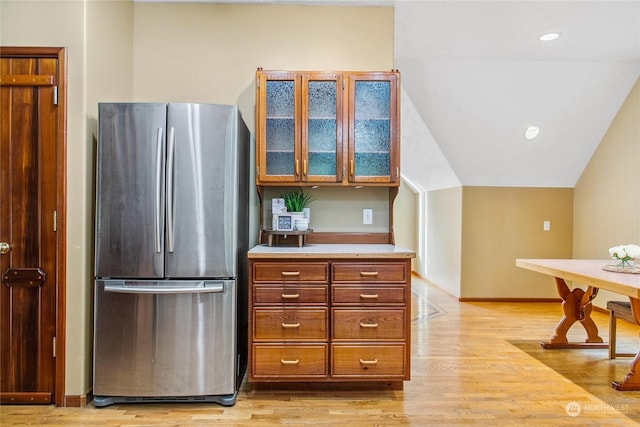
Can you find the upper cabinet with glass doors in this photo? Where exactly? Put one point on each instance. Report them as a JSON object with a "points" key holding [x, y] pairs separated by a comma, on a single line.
{"points": [[299, 127], [374, 133], [327, 128]]}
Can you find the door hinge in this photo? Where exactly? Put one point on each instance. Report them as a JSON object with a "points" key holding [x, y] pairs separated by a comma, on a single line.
{"points": [[54, 346], [55, 220], [55, 95]]}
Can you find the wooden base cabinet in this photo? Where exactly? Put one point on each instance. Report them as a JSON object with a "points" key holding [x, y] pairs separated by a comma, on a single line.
{"points": [[331, 320]]}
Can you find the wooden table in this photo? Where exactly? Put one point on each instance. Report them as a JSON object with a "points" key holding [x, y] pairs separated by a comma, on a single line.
{"points": [[576, 303]]}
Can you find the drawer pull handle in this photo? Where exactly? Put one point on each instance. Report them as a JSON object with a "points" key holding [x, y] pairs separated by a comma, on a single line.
{"points": [[368, 296], [290, 296], [289, 362], [368, 325], [369, 362], [369, 273], [290, 325], [290, 273]]}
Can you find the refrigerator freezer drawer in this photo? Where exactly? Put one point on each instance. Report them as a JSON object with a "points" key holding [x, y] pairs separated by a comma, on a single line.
{"points": [[165, 338]]}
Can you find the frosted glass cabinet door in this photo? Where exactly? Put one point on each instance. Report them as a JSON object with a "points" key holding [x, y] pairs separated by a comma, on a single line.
{"points": [[278, 122], [322, 127], [373, 132], [327, 127]]}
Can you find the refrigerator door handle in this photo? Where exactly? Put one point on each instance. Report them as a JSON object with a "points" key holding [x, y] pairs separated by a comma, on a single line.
{"points": [[159, 167], [122, 288], [170, 165]]}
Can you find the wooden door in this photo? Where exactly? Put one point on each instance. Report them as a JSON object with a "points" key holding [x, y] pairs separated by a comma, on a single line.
{"points": [[322, 127], [374, 128], [29, 142], [278, 127]]}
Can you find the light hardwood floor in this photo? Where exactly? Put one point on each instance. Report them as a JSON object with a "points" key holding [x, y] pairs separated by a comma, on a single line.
{"points": [[472, 364]]}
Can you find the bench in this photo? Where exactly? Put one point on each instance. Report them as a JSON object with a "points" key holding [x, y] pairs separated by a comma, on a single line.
{"points": [[618, 310]]}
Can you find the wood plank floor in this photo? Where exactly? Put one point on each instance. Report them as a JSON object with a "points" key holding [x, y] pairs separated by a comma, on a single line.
{"points": [[472, 364]]}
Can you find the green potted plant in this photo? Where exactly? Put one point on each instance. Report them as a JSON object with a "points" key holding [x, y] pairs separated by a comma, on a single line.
{"points": [[296, 200]]}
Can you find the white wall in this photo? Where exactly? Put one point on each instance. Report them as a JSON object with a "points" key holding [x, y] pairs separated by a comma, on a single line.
{"points": [[406, 222], [444, 239]]}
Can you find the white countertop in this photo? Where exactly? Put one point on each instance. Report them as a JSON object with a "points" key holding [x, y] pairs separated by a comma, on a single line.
{"points": [[332, 251]]}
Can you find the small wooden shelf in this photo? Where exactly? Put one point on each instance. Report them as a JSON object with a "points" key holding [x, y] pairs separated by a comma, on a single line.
{"points": [[300, 233]]}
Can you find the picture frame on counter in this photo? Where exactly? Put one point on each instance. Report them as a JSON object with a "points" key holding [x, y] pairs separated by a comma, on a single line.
{"points": [[284, 222], [277, 206]]}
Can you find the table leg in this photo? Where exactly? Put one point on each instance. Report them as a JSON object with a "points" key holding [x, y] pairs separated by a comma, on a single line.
{"points": [[631, 380], [576, 306]]}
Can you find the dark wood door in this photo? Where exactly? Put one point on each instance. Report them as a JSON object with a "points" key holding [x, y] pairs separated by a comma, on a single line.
{"points": [[28, 199]]}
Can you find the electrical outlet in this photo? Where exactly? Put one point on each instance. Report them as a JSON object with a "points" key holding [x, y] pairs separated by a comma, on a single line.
{"points": [[546, 226], [367, 216]]}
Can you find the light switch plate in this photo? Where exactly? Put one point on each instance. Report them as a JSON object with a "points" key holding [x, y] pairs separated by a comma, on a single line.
{"points": [[546, 226], [367, 216]]}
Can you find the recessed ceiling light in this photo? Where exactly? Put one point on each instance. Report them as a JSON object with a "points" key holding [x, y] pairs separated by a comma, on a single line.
{"points": [[548, 37], [531, 133]]}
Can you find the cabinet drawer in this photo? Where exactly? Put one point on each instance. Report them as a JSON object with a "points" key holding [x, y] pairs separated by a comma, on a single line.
{"points": [[281, 272], [373, 272], [368, 360], [263, 295], [286, 361], [368, 295], [368, 324], [290, 324]]}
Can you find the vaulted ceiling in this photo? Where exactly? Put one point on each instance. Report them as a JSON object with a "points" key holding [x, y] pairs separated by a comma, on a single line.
{"points": [[478, 77], [475, 76]]}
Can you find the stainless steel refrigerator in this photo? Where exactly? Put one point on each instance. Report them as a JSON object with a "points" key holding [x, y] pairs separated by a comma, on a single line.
{"points": [[171, 238]]}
